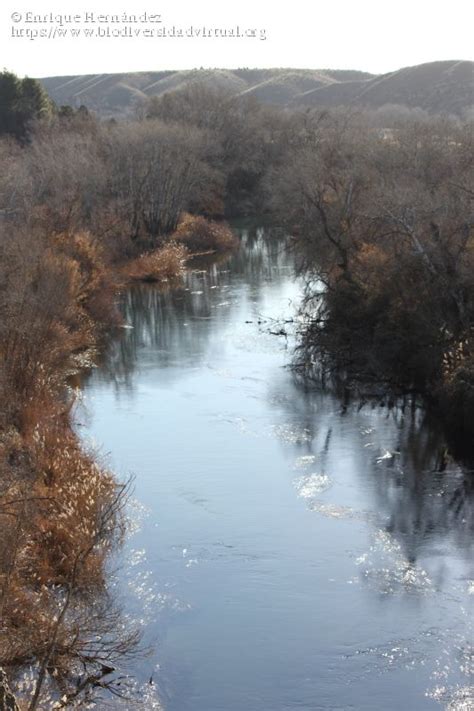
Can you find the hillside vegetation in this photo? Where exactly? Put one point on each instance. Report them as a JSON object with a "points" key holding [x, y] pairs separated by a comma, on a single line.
{"points": [[445, 87]]}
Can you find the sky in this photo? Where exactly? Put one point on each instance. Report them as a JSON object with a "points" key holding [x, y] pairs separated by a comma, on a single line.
{"points": [[46, 37]]}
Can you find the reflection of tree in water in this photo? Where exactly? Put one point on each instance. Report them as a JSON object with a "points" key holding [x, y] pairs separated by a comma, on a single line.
{"points": [[420, 494], [174, 327], [425, 494]]}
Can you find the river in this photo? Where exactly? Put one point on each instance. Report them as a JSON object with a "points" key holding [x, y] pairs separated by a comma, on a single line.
{"points": [[290, 554]]}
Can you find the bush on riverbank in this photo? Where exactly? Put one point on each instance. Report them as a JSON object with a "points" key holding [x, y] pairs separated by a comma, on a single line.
{"points": [[201, 235], [386, 231], [165, 264], [61, 516], [60, 513], [57, 298]]}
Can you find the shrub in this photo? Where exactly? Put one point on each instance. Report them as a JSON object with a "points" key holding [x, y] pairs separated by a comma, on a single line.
{"points": [[201, 235], [60, 513], [164, 264]]}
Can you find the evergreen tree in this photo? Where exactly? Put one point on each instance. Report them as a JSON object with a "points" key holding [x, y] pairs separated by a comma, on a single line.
{"points": [[21, 102]]}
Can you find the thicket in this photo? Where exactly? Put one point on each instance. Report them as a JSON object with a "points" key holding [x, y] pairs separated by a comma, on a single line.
{"points": [[61, 514], [384, 222]]}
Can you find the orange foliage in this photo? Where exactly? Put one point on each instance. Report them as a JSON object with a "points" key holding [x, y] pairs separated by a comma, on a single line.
{"points": [[201, 235], [164, 264]]}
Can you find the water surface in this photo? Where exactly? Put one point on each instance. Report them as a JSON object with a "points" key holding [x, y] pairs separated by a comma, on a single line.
{"points": [[292, 556]]}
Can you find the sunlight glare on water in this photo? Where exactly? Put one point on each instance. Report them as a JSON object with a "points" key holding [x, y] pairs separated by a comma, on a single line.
{"points": [[290, 554]]}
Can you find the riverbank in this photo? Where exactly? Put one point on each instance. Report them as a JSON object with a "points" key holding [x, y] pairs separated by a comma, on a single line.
{"points": [[195, 236], [61, 512]]}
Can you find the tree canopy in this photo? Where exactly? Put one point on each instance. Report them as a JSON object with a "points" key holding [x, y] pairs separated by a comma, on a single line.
{"points": [[22, 101]]}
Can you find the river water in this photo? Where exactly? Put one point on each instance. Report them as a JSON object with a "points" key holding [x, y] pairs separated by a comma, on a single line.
{"points": [[290, 555]]}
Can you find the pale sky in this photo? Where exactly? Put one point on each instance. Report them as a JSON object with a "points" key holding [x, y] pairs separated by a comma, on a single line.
{"points": [[338, 34]]}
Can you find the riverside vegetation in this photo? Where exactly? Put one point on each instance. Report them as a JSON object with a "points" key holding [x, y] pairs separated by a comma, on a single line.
{"points": [[380, 209], [385, 226]]}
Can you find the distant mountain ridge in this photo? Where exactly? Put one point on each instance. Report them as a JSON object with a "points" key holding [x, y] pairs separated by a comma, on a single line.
{"points": [[437, 87]]}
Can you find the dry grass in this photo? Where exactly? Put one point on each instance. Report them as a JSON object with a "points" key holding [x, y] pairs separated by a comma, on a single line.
{"points": [[60, 513], [61, 516], [57, 299], [164, 264], [201, 235]]}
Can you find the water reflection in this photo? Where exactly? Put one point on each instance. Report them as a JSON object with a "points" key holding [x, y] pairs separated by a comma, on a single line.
{"points": [[319, 553], [418, 494], [173, 327]]}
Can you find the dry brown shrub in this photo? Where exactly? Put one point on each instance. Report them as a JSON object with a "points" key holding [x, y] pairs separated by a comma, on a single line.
{"points": [[98, 281], [202, 235], [60, 513], [164, 264], [57, 299]]}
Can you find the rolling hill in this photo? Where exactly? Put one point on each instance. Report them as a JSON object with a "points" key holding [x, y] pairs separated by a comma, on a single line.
{"points": [[437, 87]]}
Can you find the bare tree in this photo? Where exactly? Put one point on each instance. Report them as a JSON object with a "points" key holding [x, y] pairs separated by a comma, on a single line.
{"points": [[155, 170]]}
